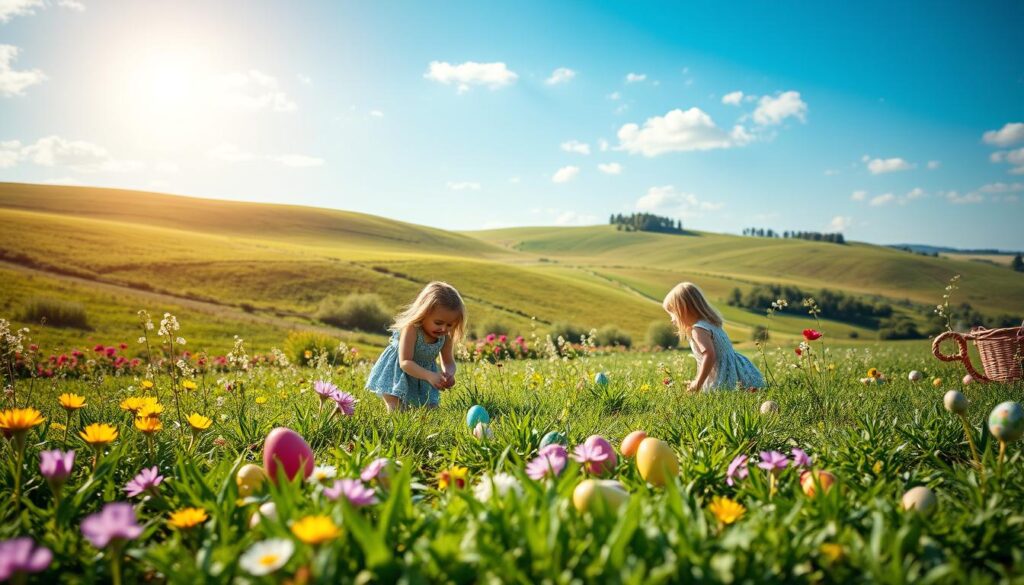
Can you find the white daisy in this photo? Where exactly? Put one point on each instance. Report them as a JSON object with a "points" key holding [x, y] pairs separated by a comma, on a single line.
{"points": [[268, 556], [324, 472], [500, 483]]}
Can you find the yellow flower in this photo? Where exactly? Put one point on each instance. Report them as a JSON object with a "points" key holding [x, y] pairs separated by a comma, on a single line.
{"points": [[261, 400], [147, 384], [307, 354], [199, 422], [57, 427], [99, 434], [453, 476], [188, 518], [725, 510], [151, 409], [877, 467], [873, 373], [19, 420], [189, 385], [71, 401], [148, 424], [132, 404], [315, 529], [831, 551]]}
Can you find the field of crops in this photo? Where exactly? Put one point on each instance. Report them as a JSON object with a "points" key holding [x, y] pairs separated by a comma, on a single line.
{"points": [[808, 488]]}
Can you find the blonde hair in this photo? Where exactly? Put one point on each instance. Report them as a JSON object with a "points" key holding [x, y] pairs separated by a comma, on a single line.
{"points": [[687, 302], [436, 294]]}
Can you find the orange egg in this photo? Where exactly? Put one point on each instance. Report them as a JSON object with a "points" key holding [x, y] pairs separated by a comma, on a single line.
{"points": [[825, 480], [631, 443]]}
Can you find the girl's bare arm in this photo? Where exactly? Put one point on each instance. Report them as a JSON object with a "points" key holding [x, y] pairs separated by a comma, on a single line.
{"points": [[702, 339], [406, 349]]}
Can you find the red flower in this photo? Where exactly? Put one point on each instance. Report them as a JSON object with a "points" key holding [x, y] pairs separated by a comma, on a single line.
{"points": [[811, 334], [797, 350]]}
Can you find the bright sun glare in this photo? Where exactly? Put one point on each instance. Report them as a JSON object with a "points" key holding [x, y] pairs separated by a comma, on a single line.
{"points": [[167, 92]]}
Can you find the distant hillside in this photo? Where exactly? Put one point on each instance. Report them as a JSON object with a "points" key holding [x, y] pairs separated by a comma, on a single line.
{"points": [[926, 249]]}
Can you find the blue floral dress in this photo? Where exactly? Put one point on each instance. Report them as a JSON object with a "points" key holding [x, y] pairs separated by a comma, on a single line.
{"points": [[387, 376], [732, 370]]}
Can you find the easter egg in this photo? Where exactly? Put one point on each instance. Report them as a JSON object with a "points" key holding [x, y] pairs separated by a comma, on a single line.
{"points": [[250, 478], [601, 378], [955, 402], [920, 499], [915, 376], [968, 379], [631, 443], [1006, 422], [553, 438], [267, 510], [609, 491], [769, 407], [825, 480], [286, 450], [937, 382], [483, 431], [656, 461], [476, 415], [601, 467]]}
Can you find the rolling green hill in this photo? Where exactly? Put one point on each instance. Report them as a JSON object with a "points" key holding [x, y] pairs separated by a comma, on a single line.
{"points": [[264, 268]]}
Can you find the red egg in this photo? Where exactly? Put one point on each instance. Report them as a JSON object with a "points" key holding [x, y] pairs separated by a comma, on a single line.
{"points": [[286, 450], [606, 466]]}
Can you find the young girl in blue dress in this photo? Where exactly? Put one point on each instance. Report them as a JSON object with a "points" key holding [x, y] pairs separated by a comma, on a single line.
{"points": [[406, 373], [719, 366]]}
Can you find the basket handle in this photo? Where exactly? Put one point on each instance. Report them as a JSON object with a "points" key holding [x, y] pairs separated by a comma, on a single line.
{"points": [[962, 356]]}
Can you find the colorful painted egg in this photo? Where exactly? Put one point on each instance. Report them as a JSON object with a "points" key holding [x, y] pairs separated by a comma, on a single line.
{"points": [[601, 467], [937, 382], [769, 407], [250, 478], [631, 443], [1006, 422], [955, 402], [601, 378], [656, 461], [920, 499], [554, 438], [609, 492], [286, 450], [915, 376], [476, 415], [825, 479], [968, 379], [483, 432]]}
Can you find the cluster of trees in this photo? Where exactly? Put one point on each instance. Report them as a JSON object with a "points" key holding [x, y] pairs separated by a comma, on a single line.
{"points": [[646, 222], [835, 238], [1017, 263], [833, 304]]}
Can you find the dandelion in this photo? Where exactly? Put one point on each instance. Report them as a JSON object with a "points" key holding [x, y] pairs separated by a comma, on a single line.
{"points": [[550, 461], [324, 472], [800, 458], [314, 530], [132, 404], [187, 518], [353, 490], [199, 422], [148, 425], [147, 384], [263, 558], [726, 510], [737, 469], [454, 476], [261, 400], [71, 402], [189, 385], [345, 403], [146, 481], [20, 557], [499, 484], [150, 408], [97, 435]]}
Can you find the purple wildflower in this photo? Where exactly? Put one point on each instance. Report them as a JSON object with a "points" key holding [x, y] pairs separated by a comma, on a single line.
{"points": [[375, 469], [773, 461], [354, 491], [737, 469], [345, 402], [800, 459], [56, 466], [549, 462], [591, 453], [114, 523], [324, 389], [22, 556], [146, 481]]}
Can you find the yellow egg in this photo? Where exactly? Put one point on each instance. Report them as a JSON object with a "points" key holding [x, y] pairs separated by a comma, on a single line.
{"points": [[656, 461], [609, 491], [825, 480], [631, 443], [250, 479]]}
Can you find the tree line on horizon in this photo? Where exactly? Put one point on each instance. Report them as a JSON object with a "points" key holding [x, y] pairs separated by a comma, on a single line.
{"points": [[833, 238]]}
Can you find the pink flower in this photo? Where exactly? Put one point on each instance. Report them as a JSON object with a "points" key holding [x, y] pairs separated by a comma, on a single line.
{"points": [[21, 556], [800, 459], [374, 469], [115, 522], [590, 456], [324, 389], [502, 339], [490, 338], [146, 481], [811, 334], [99, 348], [737, 469], [773, 461], [354, 491], [56, 466], [549, 462], [345, 402]]}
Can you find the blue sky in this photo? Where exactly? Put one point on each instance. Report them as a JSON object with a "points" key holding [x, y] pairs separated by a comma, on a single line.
{"points": [[892, 122]]}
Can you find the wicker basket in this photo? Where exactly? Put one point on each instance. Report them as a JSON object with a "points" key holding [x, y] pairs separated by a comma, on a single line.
{"points": [[1001, 351]]}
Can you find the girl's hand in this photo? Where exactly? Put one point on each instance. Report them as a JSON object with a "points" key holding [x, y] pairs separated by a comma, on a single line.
{"points": [[436, 380], [449, 380]]}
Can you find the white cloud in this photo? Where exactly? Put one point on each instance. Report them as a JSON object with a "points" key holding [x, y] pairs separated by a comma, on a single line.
{"points": [[14, 82], [463, 186], [666, 200], [560, 75], [565, 174], [679, 131], [1002, 188], [576, 146], [955, 197], [614, 96], [840, 223], [635, 77], [10, 153], [70, 4], [602, 145], [733, 99], [253, 91], [915, 193], [883, 199], [229, 153], [376, 114], [1014, 157], [859, 195], [933, 164], [464, 75], [878, 166], [297, 160], [773, 110], [610, 168], [78, 155], [11, 8], [1009, 134]]}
